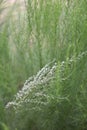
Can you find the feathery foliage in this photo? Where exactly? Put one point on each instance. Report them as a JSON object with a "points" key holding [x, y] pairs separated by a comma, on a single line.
{"points": [[45, 30]]}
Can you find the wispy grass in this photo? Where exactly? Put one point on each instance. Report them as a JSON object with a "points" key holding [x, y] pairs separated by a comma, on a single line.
{"points": [[47, 30], [51, 97]]}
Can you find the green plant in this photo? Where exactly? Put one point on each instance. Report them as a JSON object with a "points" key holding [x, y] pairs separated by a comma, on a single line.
{"points": [[51, 98], [48, 30]]}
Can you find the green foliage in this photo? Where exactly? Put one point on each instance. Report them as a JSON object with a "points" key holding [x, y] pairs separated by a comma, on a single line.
{"points": [[48, 30], [52, 99], [3, 126]]}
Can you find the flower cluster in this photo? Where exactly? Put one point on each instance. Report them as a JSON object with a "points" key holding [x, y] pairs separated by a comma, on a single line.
{"points": [[34, 90]]}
